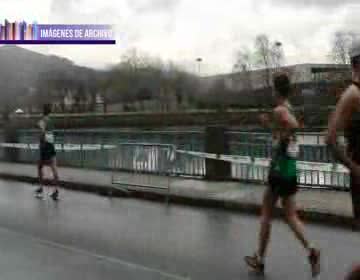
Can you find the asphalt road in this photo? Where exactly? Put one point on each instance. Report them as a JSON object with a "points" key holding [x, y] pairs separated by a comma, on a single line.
{"points": [[85, 236]]}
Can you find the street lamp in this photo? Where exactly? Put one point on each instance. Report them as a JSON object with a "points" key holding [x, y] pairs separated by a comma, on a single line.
{"points": [[278, 53], [199, 60]]}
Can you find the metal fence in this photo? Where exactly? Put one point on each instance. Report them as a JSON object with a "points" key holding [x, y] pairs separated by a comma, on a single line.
{"points": [[72, 155], [252, 144], [245, 169], [306, 177], [311, 153], [160, 159], [153, 160], [309, 138], [258, 145], [188, 140]]}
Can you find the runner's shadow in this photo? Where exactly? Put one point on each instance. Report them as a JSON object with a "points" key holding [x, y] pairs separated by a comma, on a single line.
{"points": [[257, 276]]}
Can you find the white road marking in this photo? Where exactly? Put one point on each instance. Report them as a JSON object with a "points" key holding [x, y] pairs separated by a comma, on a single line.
{"points": [[94, 255]]}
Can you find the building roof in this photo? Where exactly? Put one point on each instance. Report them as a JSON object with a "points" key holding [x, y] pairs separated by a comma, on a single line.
{"points": [[320, 67]]}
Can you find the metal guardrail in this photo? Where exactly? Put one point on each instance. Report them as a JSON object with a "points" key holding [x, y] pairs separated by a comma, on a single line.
{"points": [[311, 153], [189, 164], [306, 177], [246, 169], [162, 159], [71, 155], [154, 160], [253, 144], [189, 140], [312, 138]]}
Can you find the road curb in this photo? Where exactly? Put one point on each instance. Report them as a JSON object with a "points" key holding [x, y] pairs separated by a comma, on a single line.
{"points": [[307, 215]]}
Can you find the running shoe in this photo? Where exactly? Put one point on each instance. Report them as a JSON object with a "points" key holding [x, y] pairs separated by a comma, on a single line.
{"points": [[254, 263], [55, 195], [314, 260], [39, 192]]}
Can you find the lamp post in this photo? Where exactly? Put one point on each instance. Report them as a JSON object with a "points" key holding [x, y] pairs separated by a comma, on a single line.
{"points": [[278, 54], [199, 60]]}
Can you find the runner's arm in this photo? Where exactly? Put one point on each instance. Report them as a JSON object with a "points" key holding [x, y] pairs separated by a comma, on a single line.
{"points": [[285, 119], [338, 121], [41, 125]]}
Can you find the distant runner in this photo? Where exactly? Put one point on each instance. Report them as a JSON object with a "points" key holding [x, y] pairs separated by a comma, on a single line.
{"points": [[282, 180], [347, 119], [47, 153]]}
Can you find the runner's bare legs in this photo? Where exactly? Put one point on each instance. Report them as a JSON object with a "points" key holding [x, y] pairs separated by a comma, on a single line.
{"points": [[53, 166], [292, 219], [54, 169], [269, 202]]}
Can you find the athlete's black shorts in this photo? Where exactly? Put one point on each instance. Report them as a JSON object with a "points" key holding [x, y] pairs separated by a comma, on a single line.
{"points": [[47, 151], [281, 186], [355, 196]]}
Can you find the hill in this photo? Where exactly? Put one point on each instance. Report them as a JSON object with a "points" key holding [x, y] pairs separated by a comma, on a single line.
{"points": [[20, 70]]}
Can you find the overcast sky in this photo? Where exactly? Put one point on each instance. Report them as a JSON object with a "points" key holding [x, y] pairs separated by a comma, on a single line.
{"points": [[182, 30]]}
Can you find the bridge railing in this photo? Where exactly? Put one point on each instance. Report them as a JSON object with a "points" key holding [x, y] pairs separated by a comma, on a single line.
{"points": [[311, 153], [308, 178], [153, 161], [189, 140], [312, 138], [252, 144], [165, 160]]}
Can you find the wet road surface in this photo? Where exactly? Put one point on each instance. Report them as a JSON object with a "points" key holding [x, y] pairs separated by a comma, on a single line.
{"points": [[85, 236]]}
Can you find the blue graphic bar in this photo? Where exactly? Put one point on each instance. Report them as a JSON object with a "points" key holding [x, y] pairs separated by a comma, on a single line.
{"points": [[64, 34], [74, 32], [57, 42]]}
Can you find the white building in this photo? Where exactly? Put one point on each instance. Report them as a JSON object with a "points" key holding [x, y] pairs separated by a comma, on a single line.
{"points": [[257, 79]]}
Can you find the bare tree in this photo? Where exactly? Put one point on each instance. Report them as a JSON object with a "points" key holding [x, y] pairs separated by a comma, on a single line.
{"points": [[244, 66], [341, 44], [277, 55], [267, 56], [244, 60], [270, 56], [264, 57]]}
